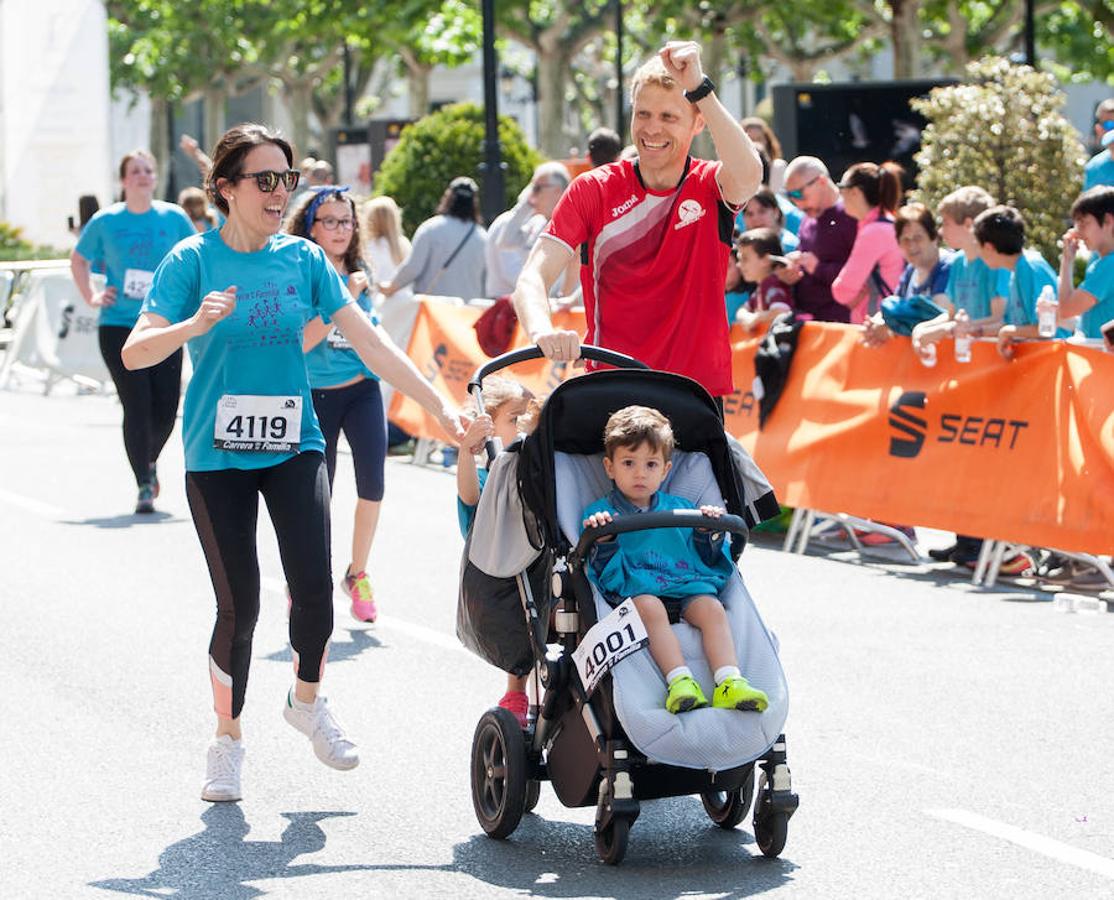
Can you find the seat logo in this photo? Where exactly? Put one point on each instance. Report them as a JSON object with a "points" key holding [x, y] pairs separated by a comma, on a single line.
{"points": [[911, 428]]}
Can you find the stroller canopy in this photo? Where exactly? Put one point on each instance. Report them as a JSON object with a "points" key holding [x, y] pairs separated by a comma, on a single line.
{"points": [[574, 416]]}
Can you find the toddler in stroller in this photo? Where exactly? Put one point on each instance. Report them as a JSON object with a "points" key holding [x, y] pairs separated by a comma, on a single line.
{"points": [[600, 734], [686, 566]]}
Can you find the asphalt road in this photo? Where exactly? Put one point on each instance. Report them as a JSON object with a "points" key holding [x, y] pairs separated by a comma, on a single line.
{"points": [[945, 742]]}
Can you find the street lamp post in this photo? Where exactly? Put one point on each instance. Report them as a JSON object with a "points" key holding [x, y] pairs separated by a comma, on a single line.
{"points": [[492, 166], [620, 124]]}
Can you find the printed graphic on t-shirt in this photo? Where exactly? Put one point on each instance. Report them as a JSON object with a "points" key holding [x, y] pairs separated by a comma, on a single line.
{"points": [[689, 212]]}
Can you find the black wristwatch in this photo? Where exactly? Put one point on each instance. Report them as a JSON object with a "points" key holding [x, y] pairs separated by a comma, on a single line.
{"points": [[706, 87]]}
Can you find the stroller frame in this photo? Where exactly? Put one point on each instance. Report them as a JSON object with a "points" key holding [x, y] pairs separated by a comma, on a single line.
{"points": [[574, 739]]}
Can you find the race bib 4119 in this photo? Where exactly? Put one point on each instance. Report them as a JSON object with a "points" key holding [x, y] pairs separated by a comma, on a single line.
{"points": [[250, 423]]}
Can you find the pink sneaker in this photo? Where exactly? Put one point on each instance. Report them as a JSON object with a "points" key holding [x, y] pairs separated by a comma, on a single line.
{"points": [[877, 539], [517, 703], [359, 590]]}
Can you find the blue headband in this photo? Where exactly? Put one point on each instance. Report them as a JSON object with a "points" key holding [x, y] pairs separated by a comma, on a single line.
{"points": [[323, 193]]}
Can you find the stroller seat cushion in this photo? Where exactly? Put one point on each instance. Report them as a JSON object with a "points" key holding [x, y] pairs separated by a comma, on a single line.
{"points": [[713, 739]]}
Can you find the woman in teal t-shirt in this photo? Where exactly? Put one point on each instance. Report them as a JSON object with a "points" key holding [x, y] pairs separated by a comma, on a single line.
{"points": [[132, 237], [241, 297], [346, 393]]}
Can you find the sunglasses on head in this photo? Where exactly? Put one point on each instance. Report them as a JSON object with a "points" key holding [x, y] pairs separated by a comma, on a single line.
{"points": [[268, 180], [799, 193]]}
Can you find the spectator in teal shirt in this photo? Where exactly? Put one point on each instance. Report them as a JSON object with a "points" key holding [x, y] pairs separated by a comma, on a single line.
{"points": [[1092, 216], [1099, 170], [1000, 232]]}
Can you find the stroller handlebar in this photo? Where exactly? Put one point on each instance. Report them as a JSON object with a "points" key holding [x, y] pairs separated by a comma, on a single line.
{"points": [[587, 351], [676, 518]]}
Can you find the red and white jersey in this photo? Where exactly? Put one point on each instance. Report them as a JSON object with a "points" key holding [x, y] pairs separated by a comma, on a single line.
{"points": [[653, 267]]}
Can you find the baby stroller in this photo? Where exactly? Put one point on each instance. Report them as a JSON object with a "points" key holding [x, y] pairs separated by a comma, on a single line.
{"points": [[600, 733]]}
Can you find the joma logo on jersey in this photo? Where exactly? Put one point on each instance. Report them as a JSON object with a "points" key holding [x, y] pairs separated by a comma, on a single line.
{"points": [[624, 206]]}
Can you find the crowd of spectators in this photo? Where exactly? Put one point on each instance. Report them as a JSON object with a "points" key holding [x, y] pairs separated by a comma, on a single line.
{"points": [[962, 271]]}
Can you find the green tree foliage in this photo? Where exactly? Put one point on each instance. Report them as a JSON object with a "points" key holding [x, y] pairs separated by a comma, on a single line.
{"points": [[1003, 130], [435, 150]]}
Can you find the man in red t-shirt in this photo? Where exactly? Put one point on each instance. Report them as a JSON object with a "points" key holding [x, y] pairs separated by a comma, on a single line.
{"points": [[653, 233]]}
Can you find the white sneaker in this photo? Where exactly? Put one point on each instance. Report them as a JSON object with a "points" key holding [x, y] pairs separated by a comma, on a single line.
{"points": [[319, 724], [222, 770]]}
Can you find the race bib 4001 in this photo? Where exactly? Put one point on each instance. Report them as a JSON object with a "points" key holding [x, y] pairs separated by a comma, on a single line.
{"points": [[252, 423], [608, 642]]}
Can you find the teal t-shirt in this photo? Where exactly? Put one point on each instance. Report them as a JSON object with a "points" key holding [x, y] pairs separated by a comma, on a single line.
{"points": [[1099, 170], [333, 361], [1031, 274], [256, 351], [465, 513], [1099, 283], [973, 284], [131, 245]]}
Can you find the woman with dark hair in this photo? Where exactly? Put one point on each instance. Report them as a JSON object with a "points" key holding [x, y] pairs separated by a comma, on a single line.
{"points": [[130, 238], [346, 392], [871, 194], [763, 211], [242, 296], [448, 252], [760, 132]]}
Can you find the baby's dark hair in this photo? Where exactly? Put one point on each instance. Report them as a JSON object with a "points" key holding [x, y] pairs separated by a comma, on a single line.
{"points": [[634, 426], [764, 241], [1003, 228]]}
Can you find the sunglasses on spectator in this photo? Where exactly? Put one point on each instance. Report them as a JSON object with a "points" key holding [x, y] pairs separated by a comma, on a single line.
{"points": [[330, 223], [799, 193], [268, 180]]}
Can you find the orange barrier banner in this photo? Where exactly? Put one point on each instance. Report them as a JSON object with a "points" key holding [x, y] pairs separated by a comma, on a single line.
{"points": [[443, 345], [1020, 451]]}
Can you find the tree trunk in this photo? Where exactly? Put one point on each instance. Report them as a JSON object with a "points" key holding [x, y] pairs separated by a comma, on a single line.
{"points": [[159, 143], [216, 100], [417, 82], [553, 67], [905, 36], [301, 98], [713, 63]]}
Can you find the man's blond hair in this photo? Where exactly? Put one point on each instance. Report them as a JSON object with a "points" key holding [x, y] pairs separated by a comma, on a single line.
{"points": [[652, 71]]}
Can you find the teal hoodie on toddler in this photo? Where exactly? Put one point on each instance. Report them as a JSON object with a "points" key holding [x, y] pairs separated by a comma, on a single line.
{"points": [[664, 562]]}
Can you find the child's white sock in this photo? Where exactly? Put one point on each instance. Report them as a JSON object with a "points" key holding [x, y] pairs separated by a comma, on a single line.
{"points": [[674, 674], [725, 672]]}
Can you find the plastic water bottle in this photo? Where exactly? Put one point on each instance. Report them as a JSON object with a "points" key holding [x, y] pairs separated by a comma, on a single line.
{"points": [[1048, 308], [963, 348]]}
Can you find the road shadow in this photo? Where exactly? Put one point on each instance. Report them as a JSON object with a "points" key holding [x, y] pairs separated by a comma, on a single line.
{"points": [[359, 640], [126, 520], [218, 861], [689, 856]]}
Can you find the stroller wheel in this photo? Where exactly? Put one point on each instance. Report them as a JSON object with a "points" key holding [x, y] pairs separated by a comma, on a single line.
{"points": [[611, 842], [533, 794], [498, 772], [771, 827], [728, 808]]}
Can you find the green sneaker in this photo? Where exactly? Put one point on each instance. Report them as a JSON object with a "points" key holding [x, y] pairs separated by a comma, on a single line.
{"points": [[736, 693], [684, 694]]}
